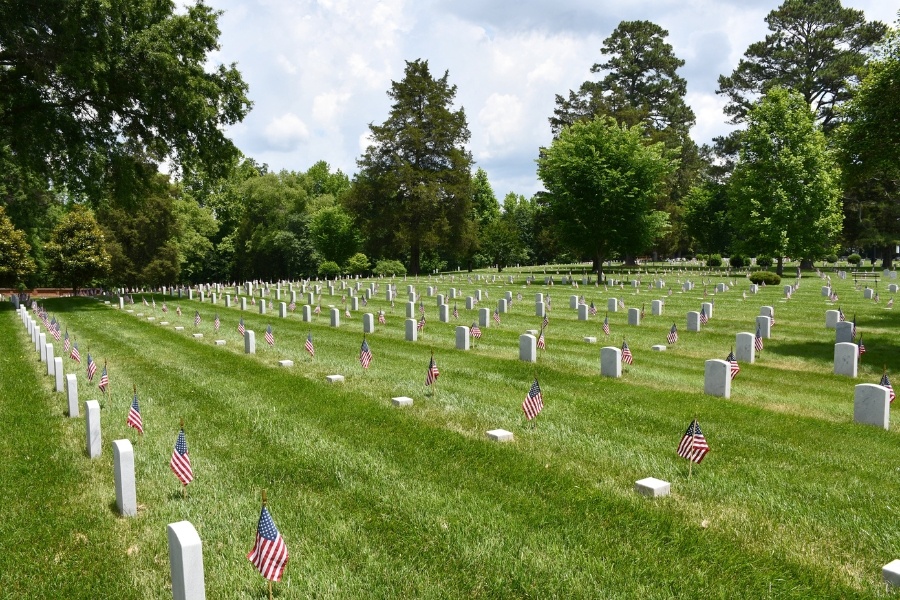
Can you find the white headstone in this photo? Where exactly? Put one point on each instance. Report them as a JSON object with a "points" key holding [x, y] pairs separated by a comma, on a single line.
{"points": [[656, 308], [444, 313], [334, 378], [51, 365], [693, 321], [484, 318], [527, 348], [612, 305], [832, 318], [123, 472], [717, 378], [307, 313], [843, 332], [197, 336], [892, 288], [42, 348], [846, 359], [186, 562], [708, 309], [573, 302], [412, 333], [500, 435], [368, 323], [611, 361], [410, 310], [243, 303], [72, 394], [220, 342], [501, 306], [93, 439], [658, 348], [634, 316], [891, 573], [583, 314], [720, 287], [764, 324], [462, 338], [826, 291], [767, 311], [402, 401], [872, 405], [249, 342], [335, 317], [745, 348], [58, 373], [285, 363], [282, 310], [590, 339], [868, 293], [652, 487], [539, 309]]}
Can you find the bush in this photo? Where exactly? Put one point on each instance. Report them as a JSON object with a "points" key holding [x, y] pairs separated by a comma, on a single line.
{"points": [[854, 259], [737, 261], [764, 261], [767, 277], [357, 264], [701, 257], [389, 268], [329, 268], [714, 260], [831, 258]]}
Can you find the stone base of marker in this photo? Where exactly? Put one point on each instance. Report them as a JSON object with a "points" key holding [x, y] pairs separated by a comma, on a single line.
{"points": [[891, 573], [197, 336], [500, 435], [611, 361], [123, 471], [179, 328], [220, 342], [72, 394], [93, 440], [334, 378], [717, 378], [527, 348], [285, 363], [590, 339], [163, 323], [659, 348], [871, 405], [745, 347], [186, 562], [462, 338], [652, 487], [846, 359], [402, 401]]}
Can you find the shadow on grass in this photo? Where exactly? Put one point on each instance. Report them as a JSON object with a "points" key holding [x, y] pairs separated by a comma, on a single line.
{"points": [[821, 351]]}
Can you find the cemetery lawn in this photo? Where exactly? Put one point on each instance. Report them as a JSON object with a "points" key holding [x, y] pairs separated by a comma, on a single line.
{"points": [[793, 501]]}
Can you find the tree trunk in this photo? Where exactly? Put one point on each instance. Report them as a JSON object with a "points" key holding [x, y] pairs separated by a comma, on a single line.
{"points": [[414, 255], [887, 257], [780, 268], [598, 267], [630, 260], [806, 263]]}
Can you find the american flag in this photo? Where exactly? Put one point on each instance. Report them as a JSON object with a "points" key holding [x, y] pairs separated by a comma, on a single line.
{"points": [[673, 334], [57, 334], [422, 308], [318, 309], [91, 367], [541, 343], [626, 354], [269, 554], [347, 313], [606, 324], [758, 341], [534, 401], [693, 445], [475, 331], [621, 303], [890, 303], [292, 306], [270, 336], [432, 374], [887, 383], [420, 326], [496, 316], [240, 328], [75, 355], [104, 379], [365, 301], [153, 300], [365, 354], [853, 329], [862, 347], [134, 414], [670, 293], [309, 344], [841, 316], [145, 301], [178, 310], [165, 308], [735, 367], [592, 310], [703, 317], [381, 317], [181, 462], [642, 311], [196, 318], [66, 343], [545, 322], [216, 322], [455, 312]]}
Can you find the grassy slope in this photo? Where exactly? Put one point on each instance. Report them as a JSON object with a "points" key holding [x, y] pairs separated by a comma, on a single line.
{"points": [[793, 501]]}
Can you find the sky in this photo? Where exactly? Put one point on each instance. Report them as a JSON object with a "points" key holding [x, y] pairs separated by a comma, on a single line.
{"points": [[319, 70]]}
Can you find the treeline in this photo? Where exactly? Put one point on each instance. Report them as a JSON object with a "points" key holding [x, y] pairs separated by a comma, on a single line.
{"points": [[813, 170]]}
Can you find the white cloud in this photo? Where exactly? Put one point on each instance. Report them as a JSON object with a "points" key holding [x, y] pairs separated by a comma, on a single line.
{"points": [[501, 119], [286, 132], [328, 106], [285, 64]]}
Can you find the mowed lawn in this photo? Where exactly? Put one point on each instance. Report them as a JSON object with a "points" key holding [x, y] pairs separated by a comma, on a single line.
{"points": [[374, 501]]}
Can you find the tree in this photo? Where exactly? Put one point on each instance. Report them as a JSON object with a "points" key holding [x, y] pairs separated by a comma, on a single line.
{"points": [[86, 86], [707, 219], [15, 261], [784, 190], [815, 48], [334, 235], [413, 192], [602, 180], [77, 249], [869, 144]]}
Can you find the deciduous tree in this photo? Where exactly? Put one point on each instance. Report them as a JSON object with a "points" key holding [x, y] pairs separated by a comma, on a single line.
{"points": [[76, 251]]}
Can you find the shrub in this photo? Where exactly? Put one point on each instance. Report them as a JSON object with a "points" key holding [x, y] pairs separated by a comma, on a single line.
{"points": [[701, 257], [767, 277], [389, 267], [714, 260], [357, 264], [831, 258], [737, 261], [764, 261], [854, 259], [329, 268]]}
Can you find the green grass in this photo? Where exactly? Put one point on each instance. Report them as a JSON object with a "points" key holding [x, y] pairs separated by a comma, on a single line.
{"points": [[793, 501]]}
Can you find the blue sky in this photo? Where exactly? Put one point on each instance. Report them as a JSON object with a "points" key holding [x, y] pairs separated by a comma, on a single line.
{"points": [[319, 70]]}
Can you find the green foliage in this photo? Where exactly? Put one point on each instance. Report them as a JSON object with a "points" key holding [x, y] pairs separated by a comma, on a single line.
{"points": [[714, 260], [831, 258], [414, 186], [602, 180], [785, 198], [854, 259], [357, 264], [389, 268], [196, 226], [764, 261], [706, 216], [737, 261], [77, 249], [767, 277], [15, 261], [88, 86], [816, 47], [334, 235], [329, 268]]}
